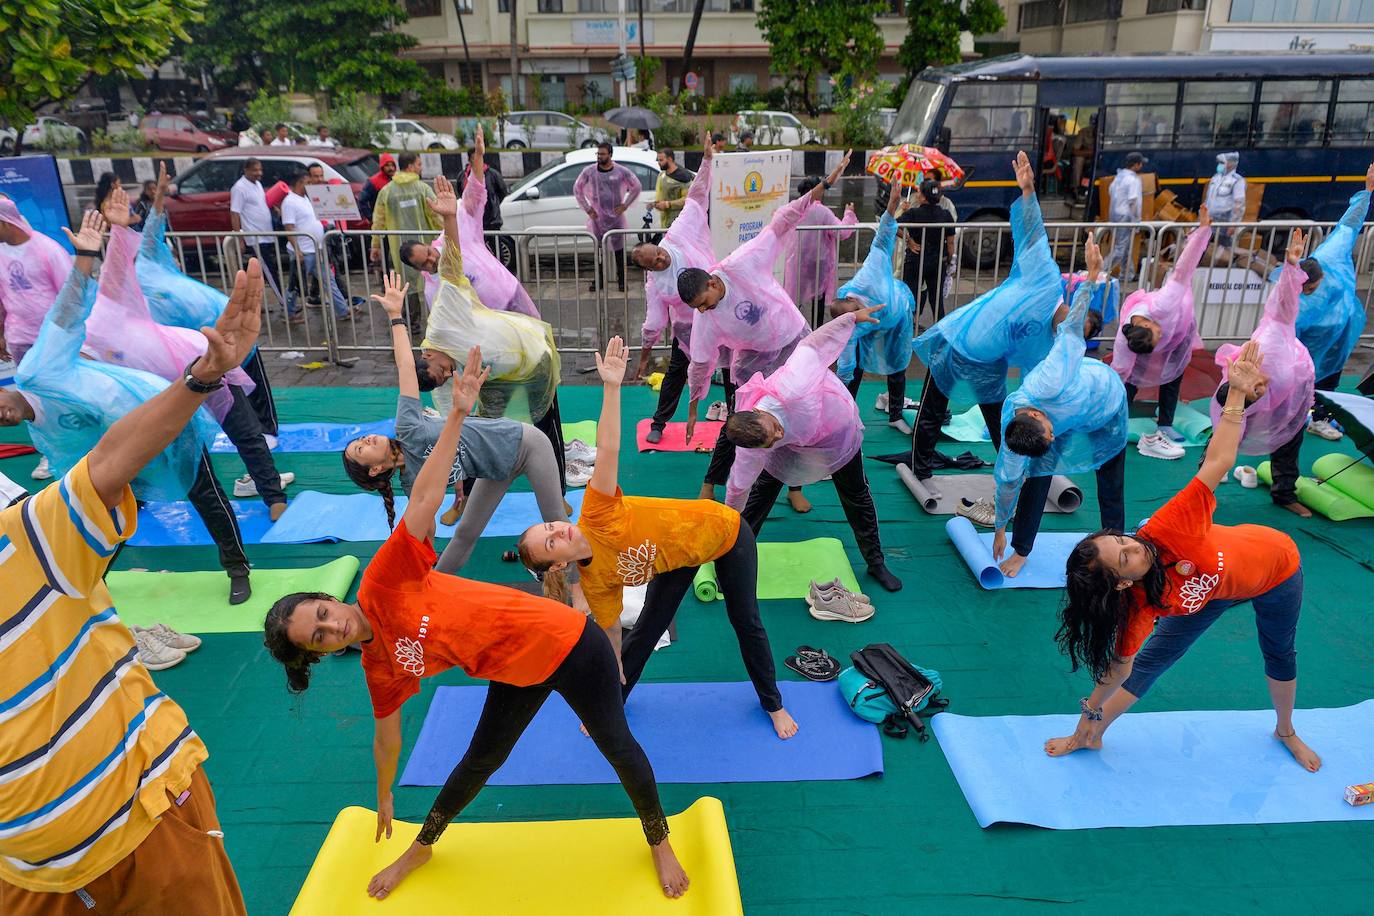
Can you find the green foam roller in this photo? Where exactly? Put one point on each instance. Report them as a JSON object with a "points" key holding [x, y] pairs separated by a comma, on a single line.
{"points": [[1323, 499], [1348, 473], [704, 583]]}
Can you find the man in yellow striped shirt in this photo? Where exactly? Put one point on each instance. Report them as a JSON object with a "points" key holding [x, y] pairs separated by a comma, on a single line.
{"points": [[104, 806]]}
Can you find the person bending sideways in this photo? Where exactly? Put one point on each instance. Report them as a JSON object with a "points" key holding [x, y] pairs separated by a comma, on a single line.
{"points": [[414, 621], [624, 541], [1136, 603]]}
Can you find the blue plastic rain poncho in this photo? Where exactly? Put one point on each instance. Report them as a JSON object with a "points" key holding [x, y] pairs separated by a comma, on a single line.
{"points": [[821, 426], [1171, 307], [173, 298], [885, 347], [1281, 413], [76, 400], [1331, 319], [1006, 326], [1086, 405], [688, 244]]}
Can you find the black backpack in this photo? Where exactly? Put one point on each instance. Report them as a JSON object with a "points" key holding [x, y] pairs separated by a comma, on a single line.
{"points": [[908, 687]]}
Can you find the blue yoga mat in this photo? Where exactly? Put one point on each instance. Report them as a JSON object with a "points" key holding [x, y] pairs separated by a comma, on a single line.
{"points": [[315, 437], [1044, 567], [1161, 769], [175, 524], [714, 732]]}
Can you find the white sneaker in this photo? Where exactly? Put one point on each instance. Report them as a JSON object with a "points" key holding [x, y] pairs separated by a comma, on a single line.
{"points": [[1246, 476], [431, 412], [1323, 428], [980, 512], [838, 605], [881, 403], [169, 637], [1173, 435], [1156, 446], [577, 474], [577, 450], [244, 485], [42, 472], [155, 654], [717, 411]]}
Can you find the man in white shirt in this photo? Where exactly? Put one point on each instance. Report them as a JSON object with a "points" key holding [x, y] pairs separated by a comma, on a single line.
{"points": [[322, 138], [1127, 197], [1226, 196], [248, 212], [298, 216], [282, 138]]}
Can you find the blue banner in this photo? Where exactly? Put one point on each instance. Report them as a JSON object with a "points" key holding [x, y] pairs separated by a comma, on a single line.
{"points": [[33, 184]]}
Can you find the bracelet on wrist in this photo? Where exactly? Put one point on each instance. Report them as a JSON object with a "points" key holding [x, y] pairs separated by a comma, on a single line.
{"points": [[1089, 713], [398, 322]]}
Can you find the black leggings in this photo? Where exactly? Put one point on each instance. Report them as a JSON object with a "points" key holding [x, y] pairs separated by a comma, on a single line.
{"points": [[896, 391], [1168, 399], [737, 571], [589, 681]]}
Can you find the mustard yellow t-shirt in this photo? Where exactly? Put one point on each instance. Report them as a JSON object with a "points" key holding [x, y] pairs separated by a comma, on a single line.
{"points": [[634, 538]]}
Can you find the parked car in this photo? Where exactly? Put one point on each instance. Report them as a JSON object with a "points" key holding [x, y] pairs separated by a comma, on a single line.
{"points": [[177, 132], [47, 130], [217, 127], [8, 137], [549, 130], [403, 133], [773, 128]]}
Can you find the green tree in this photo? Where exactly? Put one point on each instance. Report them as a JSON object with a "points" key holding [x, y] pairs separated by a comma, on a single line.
{"points": [[50, 48], [227, 42], [809, 37], [933, 27]]}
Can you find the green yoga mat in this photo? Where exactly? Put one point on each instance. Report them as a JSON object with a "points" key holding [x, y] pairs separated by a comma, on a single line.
{"points": [[1326, 499], [1195, 427], [962, 427], [198, 602], [582, 429], [787, 570]]}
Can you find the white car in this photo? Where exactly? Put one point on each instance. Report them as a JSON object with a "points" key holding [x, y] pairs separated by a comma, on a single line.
{"points": [[773, 128], [8, 136], [543, 199], [403, 133], [48, 129], [549, 130]]}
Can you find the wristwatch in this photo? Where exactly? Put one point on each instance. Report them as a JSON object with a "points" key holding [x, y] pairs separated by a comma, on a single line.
{"points": [[398, 321], [88, 252], [196, 385]]}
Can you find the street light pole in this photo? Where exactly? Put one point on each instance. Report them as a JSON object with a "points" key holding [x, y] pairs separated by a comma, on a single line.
{"points": [[624, 84]]}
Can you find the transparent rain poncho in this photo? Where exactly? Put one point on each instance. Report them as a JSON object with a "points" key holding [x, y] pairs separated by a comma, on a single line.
{"points": [[601, 192], [821, 426], [885, 347], [1009, 325], [1086, 405], [755, 320], [813, 261], [80, 399], [1172, 307], [497, 287], [30, 276], [1281, 413], [688, 243], [173, 298], [1331, 319]]}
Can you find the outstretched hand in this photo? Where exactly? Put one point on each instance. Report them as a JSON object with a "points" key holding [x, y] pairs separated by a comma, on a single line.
{"points": [[467, 386], [1092, 255], [1204, 217], [445, 202], [611, 367], [1025, 175], [1295, 247], [116, 208], [163, 183], [1245, 371], [1369, 178], [708, 149], [232, 338], [88, 234], [864, 315], [393, 297]]}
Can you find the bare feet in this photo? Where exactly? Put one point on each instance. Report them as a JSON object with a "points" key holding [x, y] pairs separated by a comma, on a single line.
{"points": [[783, 724], [671, 877], [1012, 565], [1078, 741], [276, 510], [454, 513], [1300, 751], [1298, 509], [798, 501], [708, 491], [387, 880]]}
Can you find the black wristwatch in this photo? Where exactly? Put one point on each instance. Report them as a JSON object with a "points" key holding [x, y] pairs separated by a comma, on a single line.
{"points": [[196, 385], [398, 321], [88, 252]]}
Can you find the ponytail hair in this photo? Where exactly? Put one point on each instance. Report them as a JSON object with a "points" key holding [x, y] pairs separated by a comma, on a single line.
{"points": [[362, 475], [294, 659], [1095, 611], [555, 582]]}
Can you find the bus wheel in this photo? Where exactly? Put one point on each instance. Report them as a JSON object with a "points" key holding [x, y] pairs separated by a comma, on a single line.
{"points": [[983, 248]]}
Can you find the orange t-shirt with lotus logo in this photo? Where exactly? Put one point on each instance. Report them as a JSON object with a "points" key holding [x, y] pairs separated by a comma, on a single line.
{"points": [[634, 538], [1205, 562]]}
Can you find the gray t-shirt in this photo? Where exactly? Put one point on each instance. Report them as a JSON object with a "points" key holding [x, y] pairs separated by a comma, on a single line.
{"points": [[487, 448]]}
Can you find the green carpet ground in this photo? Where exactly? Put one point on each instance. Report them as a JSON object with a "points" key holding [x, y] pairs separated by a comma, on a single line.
{"points": [[282, 767]]}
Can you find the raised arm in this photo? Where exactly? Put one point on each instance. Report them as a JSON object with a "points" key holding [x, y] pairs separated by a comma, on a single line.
{"points": [[1340, 243], [153, 245], [1056, 371], [59, 342], [427, 493], [1193, 248], [1028, 236], [475, 191], [118, 281], [1285, 297], [700, 188], [611, 368], [1245, 379], [445, 206], [393, 302]]}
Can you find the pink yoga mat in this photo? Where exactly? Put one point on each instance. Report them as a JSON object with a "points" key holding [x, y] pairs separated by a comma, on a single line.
{"points": [[675, 436]]}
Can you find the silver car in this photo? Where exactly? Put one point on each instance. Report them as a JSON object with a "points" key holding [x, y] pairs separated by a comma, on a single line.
{"points": [[548, 130]]}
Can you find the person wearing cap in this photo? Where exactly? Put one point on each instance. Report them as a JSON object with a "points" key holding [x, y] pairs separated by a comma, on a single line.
{"points": [[746, 141], [1127, 196], [1226, 195]]}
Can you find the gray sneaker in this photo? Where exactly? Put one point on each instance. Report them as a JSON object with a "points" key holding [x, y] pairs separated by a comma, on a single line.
{"points": [[835, 585], [169, 637], [838, 605], [980, 512], [155, 654]]}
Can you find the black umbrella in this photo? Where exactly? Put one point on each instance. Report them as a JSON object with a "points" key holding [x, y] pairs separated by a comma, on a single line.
{"points": [[633, 118], [1356, 416]]}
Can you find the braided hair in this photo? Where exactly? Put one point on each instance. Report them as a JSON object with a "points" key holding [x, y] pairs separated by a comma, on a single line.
{"points": [[362, 475], [1095, 611]]}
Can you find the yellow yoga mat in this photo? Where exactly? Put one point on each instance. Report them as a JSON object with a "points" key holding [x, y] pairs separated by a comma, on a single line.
{"points": [[596, 867]]}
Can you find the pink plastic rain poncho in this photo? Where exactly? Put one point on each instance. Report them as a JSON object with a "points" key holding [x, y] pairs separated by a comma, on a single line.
{"points": [[121, 330], [497, 287], [885, 347], [601, 192], [1172, 307], [1331, 319], [1006, 326], [31, 275], [755, 320], [1084, 400], [77, 399], [821, 426], [1281, 413], [688, 244], [814, 257]]}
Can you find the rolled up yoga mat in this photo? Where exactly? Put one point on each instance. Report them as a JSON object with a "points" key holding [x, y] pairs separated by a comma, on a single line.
{"points": [[962, 427], [1339, 499], [675, 436], [315, 437], [1063, 497], [1044, 567], [1159, 769], [786, 570], [584, 866], [1194, 426]]}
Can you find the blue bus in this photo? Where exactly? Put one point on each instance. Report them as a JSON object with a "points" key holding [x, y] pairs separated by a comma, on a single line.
{"points": [[1302, 122]]}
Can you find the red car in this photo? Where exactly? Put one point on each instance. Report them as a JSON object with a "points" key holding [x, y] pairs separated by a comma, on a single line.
{"points": [[177, 132]]}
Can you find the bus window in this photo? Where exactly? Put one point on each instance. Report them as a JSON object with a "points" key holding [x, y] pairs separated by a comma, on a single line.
{"points": [[1216, 114], [1353, 124], [992, 116], [918, 113], [1293, 112], [1140, 114]]}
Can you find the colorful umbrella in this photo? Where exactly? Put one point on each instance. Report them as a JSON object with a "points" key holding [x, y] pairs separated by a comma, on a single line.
{"points": [[908, 165]]}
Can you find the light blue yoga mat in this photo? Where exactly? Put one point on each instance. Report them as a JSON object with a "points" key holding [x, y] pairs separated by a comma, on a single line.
{"points": [[1044, 567], [1161, 769], [962, 427], [712, 732], [175, 524], [315, 437]]}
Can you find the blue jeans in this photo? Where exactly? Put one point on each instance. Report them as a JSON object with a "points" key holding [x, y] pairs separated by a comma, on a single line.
{"points": [[1276, 619], [309, 264]]}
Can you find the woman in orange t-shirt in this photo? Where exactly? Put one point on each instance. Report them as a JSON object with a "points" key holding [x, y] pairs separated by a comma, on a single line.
{"points": [[632, 540], [1175, 577], [413, 622]]}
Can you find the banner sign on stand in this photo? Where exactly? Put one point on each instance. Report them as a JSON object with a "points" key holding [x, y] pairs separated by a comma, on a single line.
{"points": [[746, 190]]}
